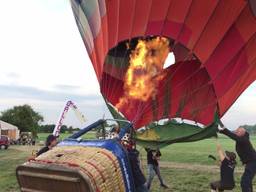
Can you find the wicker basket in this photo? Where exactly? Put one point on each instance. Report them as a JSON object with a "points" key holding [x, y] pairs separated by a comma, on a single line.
{"points": [[98, 168]]}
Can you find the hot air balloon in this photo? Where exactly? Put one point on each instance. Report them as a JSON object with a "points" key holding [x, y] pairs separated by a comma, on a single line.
{"points": [[213, 42]]}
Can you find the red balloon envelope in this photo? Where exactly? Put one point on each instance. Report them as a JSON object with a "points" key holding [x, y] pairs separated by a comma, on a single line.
{"points": [[214, 44]]}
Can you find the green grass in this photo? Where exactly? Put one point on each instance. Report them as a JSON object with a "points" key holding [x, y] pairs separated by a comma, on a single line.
{"points": [[180, 179], [195, 152], [43, 136], [9, 159]]}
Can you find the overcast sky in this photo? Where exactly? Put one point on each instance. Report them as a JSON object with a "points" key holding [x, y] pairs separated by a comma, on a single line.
{"points": [[43, 62]]}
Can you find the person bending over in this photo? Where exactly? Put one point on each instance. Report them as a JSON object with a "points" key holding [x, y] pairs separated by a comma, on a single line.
{"points": [[51, 142], [227, 166], [247, 155]]}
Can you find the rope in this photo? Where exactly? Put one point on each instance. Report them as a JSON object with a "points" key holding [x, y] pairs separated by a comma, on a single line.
{"points": [[141, 161]]}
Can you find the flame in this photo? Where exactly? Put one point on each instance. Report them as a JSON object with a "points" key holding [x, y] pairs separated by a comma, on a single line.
{"points": [[143, 75]]}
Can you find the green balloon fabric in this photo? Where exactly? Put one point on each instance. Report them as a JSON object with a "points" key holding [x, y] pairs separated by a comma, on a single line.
{"points": [[163, 135]]}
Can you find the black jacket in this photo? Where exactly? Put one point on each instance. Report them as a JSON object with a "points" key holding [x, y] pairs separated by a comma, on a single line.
{"points": [[43, 150], [227, 173], [138, 177], [152, 158], [244, 147]]}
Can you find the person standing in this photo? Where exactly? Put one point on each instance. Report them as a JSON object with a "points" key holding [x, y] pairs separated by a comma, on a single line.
{"points": [[153, 156], [138, 176], [247, 155], [133, 154]]}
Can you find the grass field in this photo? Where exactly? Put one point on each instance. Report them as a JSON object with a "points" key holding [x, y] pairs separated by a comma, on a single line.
{"points": [[43, 136], [185, 167]]}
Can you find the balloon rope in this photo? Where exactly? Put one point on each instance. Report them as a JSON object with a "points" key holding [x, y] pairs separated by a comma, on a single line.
{"points": [[141, 161]]}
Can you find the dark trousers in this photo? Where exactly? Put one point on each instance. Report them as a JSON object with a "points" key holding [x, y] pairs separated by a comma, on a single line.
{"points": [[249, 173], [141, 188], [218, 185]]}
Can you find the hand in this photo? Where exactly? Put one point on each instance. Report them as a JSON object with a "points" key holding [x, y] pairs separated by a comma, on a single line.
{"points": [[221, 128]]}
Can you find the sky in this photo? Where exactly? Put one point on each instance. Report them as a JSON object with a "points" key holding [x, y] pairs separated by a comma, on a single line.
{"points": [[44, 63]]}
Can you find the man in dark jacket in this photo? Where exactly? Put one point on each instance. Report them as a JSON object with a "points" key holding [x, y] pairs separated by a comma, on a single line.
{"points": [[51, 142], [138, 177], [246, 153], [133, 155]]}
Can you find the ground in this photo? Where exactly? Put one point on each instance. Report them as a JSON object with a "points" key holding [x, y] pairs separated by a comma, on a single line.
{"points": [[184, 167]]}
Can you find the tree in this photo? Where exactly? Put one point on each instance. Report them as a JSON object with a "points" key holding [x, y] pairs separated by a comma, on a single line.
{"points": [[24, 117], [48, 128], [250, 128], [70, 129], [63, 129]]}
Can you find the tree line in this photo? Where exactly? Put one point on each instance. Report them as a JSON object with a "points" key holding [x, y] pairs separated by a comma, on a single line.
{"points": [[29, 120], [48, 128], [251, 129]]}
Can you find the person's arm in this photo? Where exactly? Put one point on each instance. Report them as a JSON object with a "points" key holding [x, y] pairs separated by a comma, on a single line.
{"points": [[41, 151], [220, 152], [231, 135], [140, 161], [158, 153]]}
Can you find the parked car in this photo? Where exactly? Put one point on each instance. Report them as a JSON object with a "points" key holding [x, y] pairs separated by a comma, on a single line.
{"points": [[4, 142]]}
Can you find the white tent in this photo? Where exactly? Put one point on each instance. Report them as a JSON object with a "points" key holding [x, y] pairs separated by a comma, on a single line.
{"points": [[9, 130]]}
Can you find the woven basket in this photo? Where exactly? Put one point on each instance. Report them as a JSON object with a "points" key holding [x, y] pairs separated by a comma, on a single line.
{"points": [[98, 165]]}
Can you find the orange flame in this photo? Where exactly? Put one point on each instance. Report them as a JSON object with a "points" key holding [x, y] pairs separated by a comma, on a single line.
{"points": [[143, 75]]}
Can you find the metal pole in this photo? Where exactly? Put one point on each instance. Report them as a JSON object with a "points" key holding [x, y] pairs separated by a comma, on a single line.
{"points": [[86, 129]]}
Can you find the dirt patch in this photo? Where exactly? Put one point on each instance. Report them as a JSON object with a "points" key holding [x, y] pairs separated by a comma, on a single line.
{"points": [[25, 148], [194, 167], [163, 164]]}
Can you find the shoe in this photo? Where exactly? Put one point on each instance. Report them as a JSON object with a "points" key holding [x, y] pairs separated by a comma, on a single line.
{"points": [[164, 186]]}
